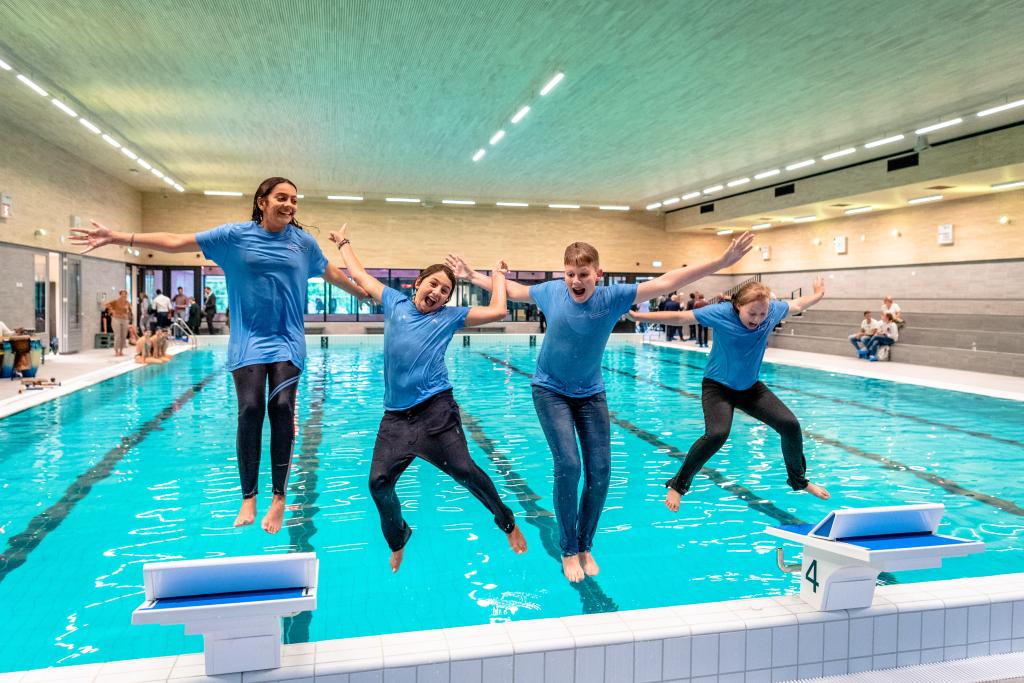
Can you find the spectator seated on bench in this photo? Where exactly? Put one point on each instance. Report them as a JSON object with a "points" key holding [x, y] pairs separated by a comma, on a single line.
{"points": [[868, 327], [235, 603], [844, 553], [885, 336]]}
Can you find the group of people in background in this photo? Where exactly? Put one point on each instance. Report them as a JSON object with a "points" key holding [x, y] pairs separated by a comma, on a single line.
{"points": [[877, 334], [154, 318], [675, 302]]}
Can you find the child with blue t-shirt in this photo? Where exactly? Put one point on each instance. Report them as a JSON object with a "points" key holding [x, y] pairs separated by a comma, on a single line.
{"points": [[568, 389], [742, 327], [421, 418], [266, 262]]}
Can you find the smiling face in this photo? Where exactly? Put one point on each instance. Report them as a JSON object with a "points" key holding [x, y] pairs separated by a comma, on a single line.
{"points": [[581, 280], [433, 291], [753, 313], [278, 206]]}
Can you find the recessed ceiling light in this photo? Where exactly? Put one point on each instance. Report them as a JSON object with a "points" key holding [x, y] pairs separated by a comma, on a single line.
{"points": [[612, 207], [64, 108], [805, 219], [143, 163], [563, 206], [655, 205], [111, 141], [840, 153], [713, 188], [724, 232], [511, 204], [128, 153], [800, 164], [4, 65], [402, 200], [670, 201], [221, 193], [883, 141], [461, 202], [345, 197], [479, 154], [497, 137], [89, 125], [766, 174], [690, 195], [520, 114], [938, 126], [1001, 107], [859, 209], [32, 85], [925, 200], [738, 182], [761, 226], [1007, 186], [550, 85]]}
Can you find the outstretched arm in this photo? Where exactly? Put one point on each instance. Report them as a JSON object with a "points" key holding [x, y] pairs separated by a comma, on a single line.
{"points": [[514, 290], [497, 309], [369, 284], [666, 317], [100, 235], [805, 302], [674, 279]]}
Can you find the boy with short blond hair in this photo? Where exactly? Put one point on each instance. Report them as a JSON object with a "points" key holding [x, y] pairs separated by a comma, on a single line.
{"points": [[568, 389]]}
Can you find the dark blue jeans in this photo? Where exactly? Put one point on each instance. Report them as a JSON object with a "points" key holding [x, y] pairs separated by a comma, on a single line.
{"points": [[562, 418], [876, 341]]}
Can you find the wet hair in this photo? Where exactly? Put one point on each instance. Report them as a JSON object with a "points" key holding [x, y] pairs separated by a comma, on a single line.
{"points": [[265, 188], [580, 254], [752, 291], [439, 268]]}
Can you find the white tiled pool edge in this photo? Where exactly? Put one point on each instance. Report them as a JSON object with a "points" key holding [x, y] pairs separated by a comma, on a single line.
{"points": [[763, 639]]}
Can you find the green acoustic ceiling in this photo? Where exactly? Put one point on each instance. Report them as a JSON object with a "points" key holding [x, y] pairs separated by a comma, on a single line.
{"points": [[395, 97]]}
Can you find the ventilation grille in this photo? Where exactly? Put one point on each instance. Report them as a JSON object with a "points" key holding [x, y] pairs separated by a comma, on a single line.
{"points": [[783, 190], [707, 208], [906, 161], [940, 187]]}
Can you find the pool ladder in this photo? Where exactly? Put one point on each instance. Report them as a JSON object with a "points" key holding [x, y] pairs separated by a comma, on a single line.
{"points": [[180, 325], [780, 559]]}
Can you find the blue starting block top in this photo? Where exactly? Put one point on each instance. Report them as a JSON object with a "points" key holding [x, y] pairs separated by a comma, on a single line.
{"points": [[923, 539], [226, 598]]}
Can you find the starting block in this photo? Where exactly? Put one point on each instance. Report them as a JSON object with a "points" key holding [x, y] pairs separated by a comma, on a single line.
{"points": [[235, 603], [845, 552]]}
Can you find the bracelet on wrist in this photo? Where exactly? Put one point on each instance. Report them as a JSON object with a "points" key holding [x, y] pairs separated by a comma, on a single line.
{"points": [[343, 243]]}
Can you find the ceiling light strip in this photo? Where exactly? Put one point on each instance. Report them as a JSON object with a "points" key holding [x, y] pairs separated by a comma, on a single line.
{"points": [[883, 141], [345, 197], [925, 200], [938, 126], [221, 193], [550, 85], [518, 204], [1001, 108], [841, 153], [27, 81]]}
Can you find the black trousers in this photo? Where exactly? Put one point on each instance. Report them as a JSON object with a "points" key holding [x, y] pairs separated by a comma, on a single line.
{"points": [[251, 382], [719, 403], [431, 430], [702, 335], [209, 321]]}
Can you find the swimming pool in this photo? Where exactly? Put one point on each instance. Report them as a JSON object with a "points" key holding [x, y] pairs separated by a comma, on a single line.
{"points": [[141, 468]]}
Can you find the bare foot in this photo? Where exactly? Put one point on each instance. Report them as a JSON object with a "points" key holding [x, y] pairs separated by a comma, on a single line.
{"points": [[572, 569], [247, 513], [396, 559], [816, 491], [590, 567], [672, 499], [517, 541], [275, 516]]}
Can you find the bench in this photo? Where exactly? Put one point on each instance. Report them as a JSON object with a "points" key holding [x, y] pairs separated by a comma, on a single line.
{"points": [[844, 553], [235, 603]]}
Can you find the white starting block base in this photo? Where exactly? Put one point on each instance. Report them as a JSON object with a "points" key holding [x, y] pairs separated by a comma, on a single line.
{"points": [[845, 552], [235, 603]]}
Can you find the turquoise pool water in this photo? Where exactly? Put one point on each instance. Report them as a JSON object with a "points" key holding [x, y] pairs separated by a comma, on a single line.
{"points": [[141, 468]]}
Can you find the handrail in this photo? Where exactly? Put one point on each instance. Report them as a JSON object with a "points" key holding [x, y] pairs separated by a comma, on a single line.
{"points": [[183, 326], [735, 288], [799, 291]]}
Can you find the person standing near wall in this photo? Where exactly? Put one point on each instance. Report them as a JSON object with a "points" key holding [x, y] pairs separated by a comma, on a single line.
{"points": [[163, 306], [120, 316], [209, 308]]}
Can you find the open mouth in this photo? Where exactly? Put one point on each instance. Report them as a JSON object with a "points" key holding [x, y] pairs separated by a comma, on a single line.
{"points": [[578, 291], [429, 300]]}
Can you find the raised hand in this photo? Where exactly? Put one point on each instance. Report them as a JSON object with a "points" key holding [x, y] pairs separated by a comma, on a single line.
{"points": [[819, 285], [738, 248], [94, 237], [502, 268], [340, 235], [459, 265]]}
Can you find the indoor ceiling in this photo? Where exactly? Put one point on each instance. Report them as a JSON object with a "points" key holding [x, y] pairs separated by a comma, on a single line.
{"points": [[382, 98]]}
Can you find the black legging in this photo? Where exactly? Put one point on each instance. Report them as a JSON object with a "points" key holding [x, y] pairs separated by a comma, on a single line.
{"points": [[719, 402], [431, 430], [250, 387]]}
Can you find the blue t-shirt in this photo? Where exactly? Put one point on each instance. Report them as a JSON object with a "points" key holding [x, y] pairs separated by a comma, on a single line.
{"points": [[266, 276], [414, 346], [570, 357], [737, 351]]}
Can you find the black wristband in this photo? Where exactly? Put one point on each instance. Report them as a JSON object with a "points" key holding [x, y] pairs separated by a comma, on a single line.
{"points": [[343, 243]]}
